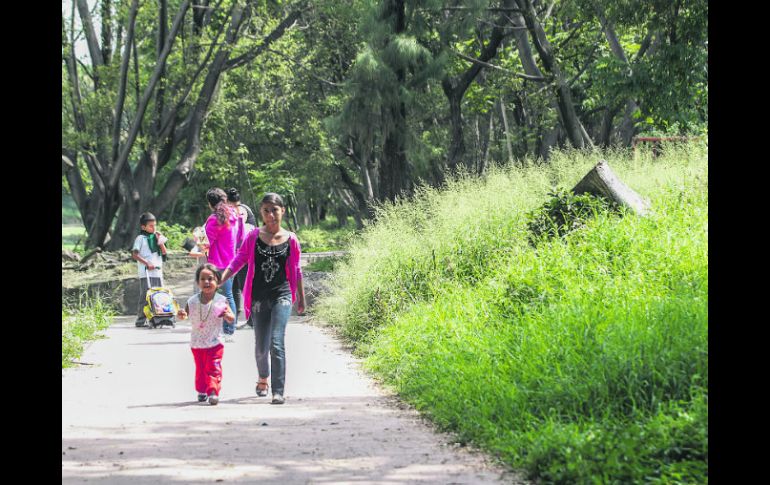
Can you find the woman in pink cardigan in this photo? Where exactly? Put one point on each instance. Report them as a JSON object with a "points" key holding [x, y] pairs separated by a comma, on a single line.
{"points": [[273, 284], [223, 229]]}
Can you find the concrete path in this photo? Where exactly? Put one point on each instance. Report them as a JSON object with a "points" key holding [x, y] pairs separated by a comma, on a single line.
{"points": [[131, 416]]}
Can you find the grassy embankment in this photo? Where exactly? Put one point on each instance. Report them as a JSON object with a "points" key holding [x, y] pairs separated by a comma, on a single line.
{"points": [[583, 359]]}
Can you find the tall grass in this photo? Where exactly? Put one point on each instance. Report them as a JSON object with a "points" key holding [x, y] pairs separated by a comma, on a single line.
{"points": [[583, 359], [81, 321]]}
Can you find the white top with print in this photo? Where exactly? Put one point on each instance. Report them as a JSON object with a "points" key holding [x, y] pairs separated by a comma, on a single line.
{"points": [[206, 326]]}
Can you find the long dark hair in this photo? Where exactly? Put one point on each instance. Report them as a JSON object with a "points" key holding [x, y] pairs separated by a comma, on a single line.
{"points": [[218, 200], [272, 198]]}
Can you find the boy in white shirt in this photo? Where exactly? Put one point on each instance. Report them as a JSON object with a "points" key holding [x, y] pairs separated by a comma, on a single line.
{"points": [[148, 252]]}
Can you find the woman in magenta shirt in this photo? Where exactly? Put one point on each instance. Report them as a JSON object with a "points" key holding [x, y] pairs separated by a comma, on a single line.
{"points": [[273, 284], [223, 229]]}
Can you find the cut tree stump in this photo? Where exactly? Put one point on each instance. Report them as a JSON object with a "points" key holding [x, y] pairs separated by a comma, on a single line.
{"points": [[602, 181]]}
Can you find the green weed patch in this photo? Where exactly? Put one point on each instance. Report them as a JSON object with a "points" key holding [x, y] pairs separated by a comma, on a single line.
{"points": [[81, 322]]}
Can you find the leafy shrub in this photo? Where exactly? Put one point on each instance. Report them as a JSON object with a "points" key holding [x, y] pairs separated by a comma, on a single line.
{"points": [[565, 212], [176, 234]]}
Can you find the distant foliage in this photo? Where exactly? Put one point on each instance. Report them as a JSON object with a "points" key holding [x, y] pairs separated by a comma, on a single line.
{"points": [[176, 234]]}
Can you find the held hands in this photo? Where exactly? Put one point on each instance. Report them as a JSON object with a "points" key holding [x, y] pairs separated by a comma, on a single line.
{"points": [[228, 315]]}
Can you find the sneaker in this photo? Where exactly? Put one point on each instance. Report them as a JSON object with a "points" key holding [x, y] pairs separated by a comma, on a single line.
{"points": [[241, 325], [141, 323], [202, 397], [277, 399], [213, 399], [229, 338]]}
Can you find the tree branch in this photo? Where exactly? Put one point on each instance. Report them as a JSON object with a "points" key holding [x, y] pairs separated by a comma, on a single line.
{"points": [[297, 63], [119, 104], [172, 114], [88, 28], [123, 157], [492, 66], [589, 61], [179, 177], [269, 39]]}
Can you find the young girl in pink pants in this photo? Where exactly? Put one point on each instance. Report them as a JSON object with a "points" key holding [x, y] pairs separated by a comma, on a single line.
{"points": [[207, 311]]}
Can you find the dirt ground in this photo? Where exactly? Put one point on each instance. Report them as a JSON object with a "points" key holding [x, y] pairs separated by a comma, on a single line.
{"points": [[130, 415]]}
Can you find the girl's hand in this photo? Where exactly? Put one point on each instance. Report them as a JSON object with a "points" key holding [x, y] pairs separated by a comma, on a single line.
{"points": [[181, 314], [300, 307], [228, 314]]}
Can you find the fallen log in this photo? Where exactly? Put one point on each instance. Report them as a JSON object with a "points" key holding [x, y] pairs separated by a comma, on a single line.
{"points": [[602, 181], [85, 260]]}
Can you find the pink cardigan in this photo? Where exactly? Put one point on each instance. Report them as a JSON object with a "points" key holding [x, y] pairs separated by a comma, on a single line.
{"points": [[246, 255], [222, 239]]}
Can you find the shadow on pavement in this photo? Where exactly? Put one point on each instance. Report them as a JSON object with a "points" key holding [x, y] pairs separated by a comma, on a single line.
{"points": [[307, 440]]}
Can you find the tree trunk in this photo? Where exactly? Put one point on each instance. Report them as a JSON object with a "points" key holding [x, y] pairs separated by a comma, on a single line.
{"points": [[457, 143], [527, 58], [395, 172], [507, 130], [487, 139], [180, 176], [342, 217], [602, 181], [605, 137], [456, 87], [563, 96], [627, 128]]}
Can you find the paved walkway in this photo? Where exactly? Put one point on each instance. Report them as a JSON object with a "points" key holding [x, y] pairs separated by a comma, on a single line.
{"points": [[132, 417]]}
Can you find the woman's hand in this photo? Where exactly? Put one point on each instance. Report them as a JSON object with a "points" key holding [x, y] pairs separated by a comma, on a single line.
{"points": [[300, 307], [181, 314], [225, 275]]}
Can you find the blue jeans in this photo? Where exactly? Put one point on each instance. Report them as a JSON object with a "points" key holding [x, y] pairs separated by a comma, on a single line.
{"points": [[227, 290], [270, 319]]}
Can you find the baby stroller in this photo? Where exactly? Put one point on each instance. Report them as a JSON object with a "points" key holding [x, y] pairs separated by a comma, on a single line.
{"points": [[161, 306]]}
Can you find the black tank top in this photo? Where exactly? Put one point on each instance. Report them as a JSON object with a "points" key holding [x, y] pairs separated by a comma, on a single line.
{"points": [[270, 271]]}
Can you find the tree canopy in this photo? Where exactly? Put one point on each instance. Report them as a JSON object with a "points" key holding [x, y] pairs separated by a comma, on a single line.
{"points": [[339, 105]]}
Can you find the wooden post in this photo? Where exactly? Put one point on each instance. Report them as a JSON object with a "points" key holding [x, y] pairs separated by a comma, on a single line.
{"points": [[602, 181]]}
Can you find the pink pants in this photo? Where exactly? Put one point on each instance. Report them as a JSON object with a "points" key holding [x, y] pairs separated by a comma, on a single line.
{"points": [[208, 369]]}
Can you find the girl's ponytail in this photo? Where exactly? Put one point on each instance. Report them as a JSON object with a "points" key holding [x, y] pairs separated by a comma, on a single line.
{"points": [[218, 200]]}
